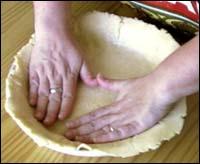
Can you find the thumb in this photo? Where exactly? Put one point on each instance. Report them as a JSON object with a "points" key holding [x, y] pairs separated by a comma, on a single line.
{"points": [[86, 76], [110, 84]]}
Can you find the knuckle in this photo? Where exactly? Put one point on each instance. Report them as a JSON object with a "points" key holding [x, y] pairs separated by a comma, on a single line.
{"points": [[40, 68], [33, 90], [67, 96], [58, 79], [51, 114], [50, 71], [130, 128], [32, 76], [92, 115], [136, 126], [63, 110], [80, 131], [109, 136], [43, 94], [76, 122], [72, 74], [106, 129], [32, 97], [33, 85], [40, 108], [55, 97], [93, 125], [33, 81], [119, 133]]}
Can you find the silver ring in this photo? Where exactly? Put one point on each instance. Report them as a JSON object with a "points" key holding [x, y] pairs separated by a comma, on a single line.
{"points": [[55, 90], [111, 129]]}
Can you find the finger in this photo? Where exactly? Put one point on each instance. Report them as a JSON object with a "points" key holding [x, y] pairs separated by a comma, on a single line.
{"points": [[54, 100], [52, 109], [87, 77], [106, 129], [110, 84], [88, 138], [69, 89], [118, 134], [110, 109], [92, 126], [33, 87], [42, 101]]}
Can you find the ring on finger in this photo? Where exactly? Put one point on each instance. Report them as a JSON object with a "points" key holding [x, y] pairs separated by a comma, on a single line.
{"points": [[109, 128], [55, 90]]}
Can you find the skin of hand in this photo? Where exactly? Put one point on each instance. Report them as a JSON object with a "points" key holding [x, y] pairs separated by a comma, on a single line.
{"points": [[141, 102], [56, 62]]}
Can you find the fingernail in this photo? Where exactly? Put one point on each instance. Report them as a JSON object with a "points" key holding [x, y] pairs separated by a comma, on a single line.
{"points": [[60, 117], [89, 77], [38, 115], [78, 138], [94, 140], [68, 134], [69, 124], [32, 102], [47, 121], [98, 75]]}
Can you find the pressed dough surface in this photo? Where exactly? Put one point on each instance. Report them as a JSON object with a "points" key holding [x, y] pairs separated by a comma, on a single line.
{"points": [[118, 48]]}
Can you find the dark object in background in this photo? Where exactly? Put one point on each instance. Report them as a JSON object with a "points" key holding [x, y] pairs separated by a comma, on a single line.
{"points": [[175, 16]]}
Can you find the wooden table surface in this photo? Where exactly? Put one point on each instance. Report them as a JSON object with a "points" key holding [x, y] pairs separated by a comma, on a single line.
{"points": [[16, 146]]}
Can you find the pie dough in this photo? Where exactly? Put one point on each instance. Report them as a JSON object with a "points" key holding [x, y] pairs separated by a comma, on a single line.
{"points": [[118, 47]]}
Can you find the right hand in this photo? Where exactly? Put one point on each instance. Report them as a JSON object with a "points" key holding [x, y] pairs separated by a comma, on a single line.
{"points": [[55, 62]]}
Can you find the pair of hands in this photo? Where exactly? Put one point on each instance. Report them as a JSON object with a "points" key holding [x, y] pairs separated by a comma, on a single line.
{"points": [[56, 62]]}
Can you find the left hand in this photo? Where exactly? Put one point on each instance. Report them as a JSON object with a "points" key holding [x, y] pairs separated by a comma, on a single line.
{"points": [[140, 104]]}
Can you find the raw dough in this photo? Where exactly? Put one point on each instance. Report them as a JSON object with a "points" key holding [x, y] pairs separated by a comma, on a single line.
{"points": [[118, 47]]}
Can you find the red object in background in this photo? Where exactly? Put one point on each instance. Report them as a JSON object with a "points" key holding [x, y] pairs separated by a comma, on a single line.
{"points": [[189, 9]]}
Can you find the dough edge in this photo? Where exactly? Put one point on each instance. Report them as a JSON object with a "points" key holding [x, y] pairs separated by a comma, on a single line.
{"points": [[46, 138]]}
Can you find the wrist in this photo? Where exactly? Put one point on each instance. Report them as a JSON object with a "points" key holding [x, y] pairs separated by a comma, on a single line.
{"points": [[52, 30], [54, 16], [164, 93], [47, 23], [53, 35], [53, 21]]}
